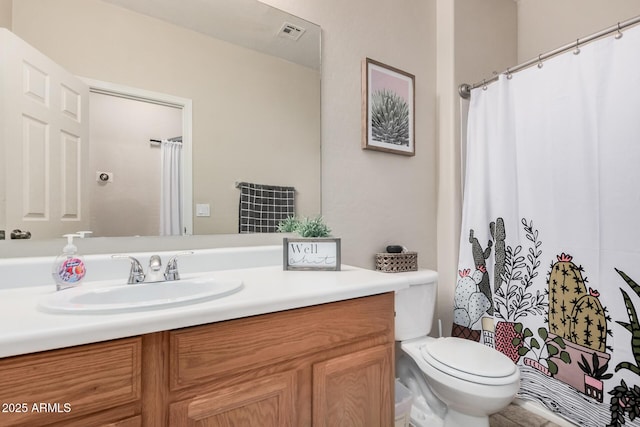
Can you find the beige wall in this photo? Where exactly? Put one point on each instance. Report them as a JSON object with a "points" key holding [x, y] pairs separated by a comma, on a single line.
{"points": [[372, 199], [486, 38], [6, 7], [448, 197], [243, 128], [544, 25]]}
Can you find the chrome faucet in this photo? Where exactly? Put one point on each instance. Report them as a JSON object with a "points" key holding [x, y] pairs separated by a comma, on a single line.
{"points": [[136, 274], [171, 272], [154, 272]]}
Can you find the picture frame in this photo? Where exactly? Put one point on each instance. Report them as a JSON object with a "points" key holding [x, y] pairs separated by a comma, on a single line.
{"points": [[388, 109], [312, 253]]}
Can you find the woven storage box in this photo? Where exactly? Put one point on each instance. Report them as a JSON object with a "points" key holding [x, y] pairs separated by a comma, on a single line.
{"points": [[396, 263]]}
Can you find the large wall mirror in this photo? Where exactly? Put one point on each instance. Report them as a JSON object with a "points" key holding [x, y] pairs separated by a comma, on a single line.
{"points": [[244, 74]]}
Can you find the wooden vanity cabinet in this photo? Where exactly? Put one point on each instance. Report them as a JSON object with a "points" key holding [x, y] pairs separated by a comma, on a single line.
{"points": [[325, 365]]}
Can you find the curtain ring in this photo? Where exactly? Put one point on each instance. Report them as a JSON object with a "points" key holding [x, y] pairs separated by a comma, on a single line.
{"points": [[619, 35], [484, 84], [576, 51], [540, 64], [509, 75]]}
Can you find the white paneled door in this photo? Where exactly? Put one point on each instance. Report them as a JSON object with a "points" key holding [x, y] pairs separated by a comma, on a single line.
{"points": [[44, 131]]}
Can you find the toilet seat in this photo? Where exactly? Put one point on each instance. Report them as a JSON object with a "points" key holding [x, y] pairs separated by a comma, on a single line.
{"points": [[469, 361]]}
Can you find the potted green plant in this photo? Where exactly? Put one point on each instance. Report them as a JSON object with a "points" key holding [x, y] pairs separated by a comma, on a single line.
{"points": [[305, 227], [315, 249], [594, 374], [625, 399], [526, 343]]}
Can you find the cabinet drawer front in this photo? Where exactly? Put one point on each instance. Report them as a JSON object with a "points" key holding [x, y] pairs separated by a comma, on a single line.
{"points": [[61, 384], [234, 346]]}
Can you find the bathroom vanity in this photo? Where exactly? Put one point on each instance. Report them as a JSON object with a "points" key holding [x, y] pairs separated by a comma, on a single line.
{"points": [[289, 349], [299, 367]]}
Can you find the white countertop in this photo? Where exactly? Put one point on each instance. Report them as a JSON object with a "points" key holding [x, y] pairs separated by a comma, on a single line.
{"points": [[25, 329]]}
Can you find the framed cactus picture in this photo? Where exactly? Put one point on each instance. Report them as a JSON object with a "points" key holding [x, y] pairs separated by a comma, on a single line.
{"points": [[387, 109]]}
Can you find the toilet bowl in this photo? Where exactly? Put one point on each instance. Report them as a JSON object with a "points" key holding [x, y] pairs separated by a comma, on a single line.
{"points": [[457, 382]]}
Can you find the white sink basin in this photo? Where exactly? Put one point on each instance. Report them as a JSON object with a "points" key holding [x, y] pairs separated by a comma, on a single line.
{"points": [[87, 299]]}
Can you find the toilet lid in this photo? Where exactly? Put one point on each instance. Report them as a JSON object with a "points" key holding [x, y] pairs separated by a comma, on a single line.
{"points": [[469, 357]]}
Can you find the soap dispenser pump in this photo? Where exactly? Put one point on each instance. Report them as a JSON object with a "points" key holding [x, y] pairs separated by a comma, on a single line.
{"points": [[68, 268]]}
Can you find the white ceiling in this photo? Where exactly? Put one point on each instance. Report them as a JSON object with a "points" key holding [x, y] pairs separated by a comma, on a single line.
{"points": [[248, 23]]}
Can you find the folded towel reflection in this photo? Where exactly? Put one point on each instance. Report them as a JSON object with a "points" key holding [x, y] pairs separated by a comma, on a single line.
{"points": [[262, 207]]}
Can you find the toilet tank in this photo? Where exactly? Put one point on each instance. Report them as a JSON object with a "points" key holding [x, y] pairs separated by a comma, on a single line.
{"points": [[415, 306]]}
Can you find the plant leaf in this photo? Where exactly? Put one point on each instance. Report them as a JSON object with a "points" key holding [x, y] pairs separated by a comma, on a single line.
{"points": [[596, 361], [542, 332], [565, 357], [584, 365], [534, 343], [560, 342], [553, 368]]}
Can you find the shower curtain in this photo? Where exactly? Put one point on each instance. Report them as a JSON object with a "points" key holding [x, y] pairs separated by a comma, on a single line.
{"points": [[171, 188], [549, 263]]}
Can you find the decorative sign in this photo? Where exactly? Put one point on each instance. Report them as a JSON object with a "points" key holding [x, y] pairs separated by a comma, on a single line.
{"points": [[318, 253]]}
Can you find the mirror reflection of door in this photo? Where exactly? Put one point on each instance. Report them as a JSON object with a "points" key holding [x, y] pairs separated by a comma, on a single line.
{"points": [[44, 135], [50, 181], [122, 130]]}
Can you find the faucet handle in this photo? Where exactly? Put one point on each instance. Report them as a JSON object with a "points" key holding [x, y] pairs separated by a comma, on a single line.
{"points": [[136, 275], [155, 263], [171, 272]]}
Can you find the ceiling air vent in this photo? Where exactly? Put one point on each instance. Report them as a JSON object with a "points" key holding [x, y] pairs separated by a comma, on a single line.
{"points": [[291, 31]]}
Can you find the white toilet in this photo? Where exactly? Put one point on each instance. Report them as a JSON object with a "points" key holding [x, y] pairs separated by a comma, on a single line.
{"points": [[456, 382]]}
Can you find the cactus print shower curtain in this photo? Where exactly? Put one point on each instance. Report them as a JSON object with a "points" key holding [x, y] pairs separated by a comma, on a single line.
{"points": [[549, 265]]}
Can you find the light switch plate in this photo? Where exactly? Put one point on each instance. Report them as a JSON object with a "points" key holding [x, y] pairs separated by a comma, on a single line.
{"points": [[203, 209]]}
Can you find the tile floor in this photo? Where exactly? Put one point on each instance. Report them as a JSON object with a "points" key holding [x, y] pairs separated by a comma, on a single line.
{"points": [[516, 416]]}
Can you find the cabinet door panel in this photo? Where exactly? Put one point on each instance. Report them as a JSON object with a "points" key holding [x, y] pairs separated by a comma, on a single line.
{"points": [[265, 402], [354, 390]]}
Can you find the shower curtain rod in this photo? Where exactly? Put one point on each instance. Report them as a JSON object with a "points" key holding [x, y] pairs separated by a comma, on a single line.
{"points": [[177, 139], [465, 89]]}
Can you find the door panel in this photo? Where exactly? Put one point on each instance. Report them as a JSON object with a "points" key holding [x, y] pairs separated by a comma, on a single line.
{"points": [[35, 147], [44, 133], [71, 176]]}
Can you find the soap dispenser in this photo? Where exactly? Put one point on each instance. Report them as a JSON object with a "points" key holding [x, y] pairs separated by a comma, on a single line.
{"points": [[68, 268]]}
